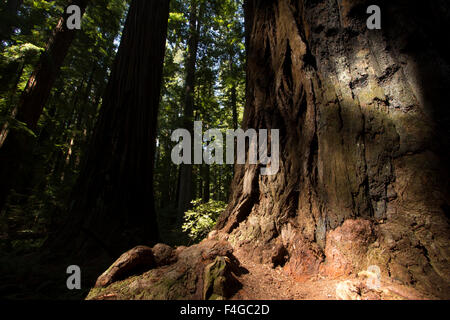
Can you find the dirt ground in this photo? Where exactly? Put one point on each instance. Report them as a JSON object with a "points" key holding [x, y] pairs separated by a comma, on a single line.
{"points": [[262, 282]]}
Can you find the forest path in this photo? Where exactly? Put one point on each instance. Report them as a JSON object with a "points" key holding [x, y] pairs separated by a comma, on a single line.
{"points": [[263, 282]]}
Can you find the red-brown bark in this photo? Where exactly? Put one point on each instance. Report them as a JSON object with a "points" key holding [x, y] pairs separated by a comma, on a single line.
{"points": [[363, 174]]}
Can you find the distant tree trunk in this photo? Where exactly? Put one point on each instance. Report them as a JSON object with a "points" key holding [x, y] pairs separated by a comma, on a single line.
{"points": [[12, 111], [167, 184], [113, 202], [186, 187], [206, 183], [37, 90], [234, 107], [364, 138], [233, 94], [83, 115], [17, 144]]}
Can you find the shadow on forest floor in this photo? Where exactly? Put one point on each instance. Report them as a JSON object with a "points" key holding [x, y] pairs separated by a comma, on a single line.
{"points": [[27, 276], [26, 272]]}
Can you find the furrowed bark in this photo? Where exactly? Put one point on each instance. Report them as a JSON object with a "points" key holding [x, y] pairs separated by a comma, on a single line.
{"points": [[113, 201], [364, 142]]}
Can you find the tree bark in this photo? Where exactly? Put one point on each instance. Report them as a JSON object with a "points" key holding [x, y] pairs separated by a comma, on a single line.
{"points": [[37, 90], [17, 144], [13, 108], [233, 93], [206, 184], [234, 107], [364, 142], [113, 202]]}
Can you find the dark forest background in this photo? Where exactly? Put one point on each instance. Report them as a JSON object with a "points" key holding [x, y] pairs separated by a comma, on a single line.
{"points": [[53, 83]]}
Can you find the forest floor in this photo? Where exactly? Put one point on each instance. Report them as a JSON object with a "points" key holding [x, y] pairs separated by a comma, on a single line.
{"points": [[262, 282], [27, 276]]}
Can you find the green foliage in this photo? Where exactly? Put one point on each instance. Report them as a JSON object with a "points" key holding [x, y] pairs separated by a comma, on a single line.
{"points": [[219, 89], [20, 52], [14, 124], [60, 141], [69, 117], [70, 114], [202, 218]]}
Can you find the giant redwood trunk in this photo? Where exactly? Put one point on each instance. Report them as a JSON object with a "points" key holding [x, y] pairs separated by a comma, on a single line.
{"points": [[363, 122], [112, 205], [16, 145]]}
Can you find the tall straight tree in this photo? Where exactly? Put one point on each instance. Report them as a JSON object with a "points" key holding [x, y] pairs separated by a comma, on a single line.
{"points": [[186, 192], [16, 144], [112, 201]]}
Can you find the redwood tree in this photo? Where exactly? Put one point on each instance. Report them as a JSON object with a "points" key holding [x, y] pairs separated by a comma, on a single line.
{"points": [[16, 145], [112, 204], [185, 193], [363, 125]]}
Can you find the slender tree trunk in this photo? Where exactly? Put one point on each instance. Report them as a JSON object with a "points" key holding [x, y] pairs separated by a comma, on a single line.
{"points": [[233, 94], [186, 190], [18, 144], [113, 202], [167, 184], [364, 141], [234, 107], [12, 111], [83, 122], [206, 184], [37, 90]]}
